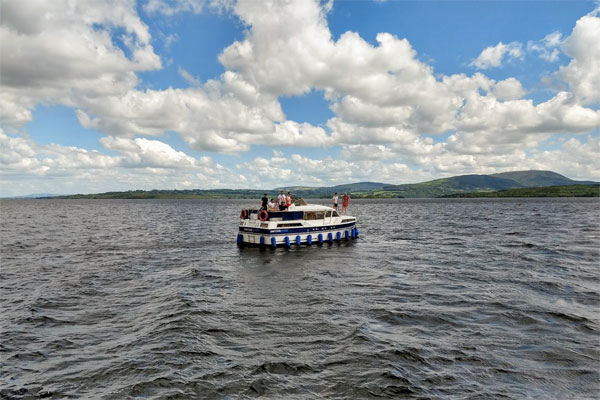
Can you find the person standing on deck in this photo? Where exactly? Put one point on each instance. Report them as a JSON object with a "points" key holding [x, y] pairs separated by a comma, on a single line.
{"points": [[263, 202], [345, 202], [334, 201], [281, 201], [288, 200]]}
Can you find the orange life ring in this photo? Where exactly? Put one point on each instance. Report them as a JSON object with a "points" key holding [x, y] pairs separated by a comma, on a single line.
{"points": [[244, 213], [263, 215]]}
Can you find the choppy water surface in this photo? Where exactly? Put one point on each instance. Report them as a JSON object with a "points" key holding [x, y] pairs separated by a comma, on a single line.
{"points": [[437, 299]]}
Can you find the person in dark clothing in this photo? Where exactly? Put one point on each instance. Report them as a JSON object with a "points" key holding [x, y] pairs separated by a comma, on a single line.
{"points": [[263, 202]]}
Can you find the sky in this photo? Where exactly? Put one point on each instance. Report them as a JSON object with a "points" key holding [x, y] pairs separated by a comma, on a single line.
{"points": [[110, 95]]}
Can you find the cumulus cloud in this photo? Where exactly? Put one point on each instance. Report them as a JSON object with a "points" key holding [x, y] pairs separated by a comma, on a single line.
{"points": [[298, 169], [208, 118], [367, 152], [18, 154], [548, 48], [305, 57], [385, 94], [147, 153], [132, 153], [493, 56], [62, 51], [171, 7], [387, 102], [14, 109], [139, 163], [521, 117], [576, 158], [582, 74], [267, 172], [22, 156], [189, 78], [380, 85], [508, 89]]}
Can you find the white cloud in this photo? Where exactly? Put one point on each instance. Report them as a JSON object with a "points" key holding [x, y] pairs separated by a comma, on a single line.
{"points": [[170, 39], [226, 116], [171, 7], [385, 93], [17, 154], [373, 152], [547, 48], [147, 153], [189, 78], [493, 56], [204, 117], [139, 164], [380, 85], [62, 51], [22, 156], [15, 110], [265, 173], [508, 89], [305, 171], [331, 171], [132, 153], [583, 72], [386, 101], [576, 159], [553, 39]]}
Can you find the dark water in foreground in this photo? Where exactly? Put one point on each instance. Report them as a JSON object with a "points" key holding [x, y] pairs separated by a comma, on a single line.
{"points": [[437, 299]]}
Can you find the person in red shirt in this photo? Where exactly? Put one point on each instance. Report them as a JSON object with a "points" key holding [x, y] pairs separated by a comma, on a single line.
{"points": [[345, 202]]}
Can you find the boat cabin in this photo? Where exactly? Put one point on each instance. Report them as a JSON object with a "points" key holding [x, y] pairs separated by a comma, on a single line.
{"points": [[293, 215]]}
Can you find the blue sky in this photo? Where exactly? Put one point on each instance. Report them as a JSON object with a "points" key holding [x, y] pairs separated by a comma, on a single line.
{"points": [[118, 95]]}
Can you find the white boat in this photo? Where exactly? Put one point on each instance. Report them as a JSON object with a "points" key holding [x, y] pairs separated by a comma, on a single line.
{"points": [[300, 224]]}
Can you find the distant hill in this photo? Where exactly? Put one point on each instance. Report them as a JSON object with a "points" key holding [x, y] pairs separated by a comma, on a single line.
{"points": [[169, 194], [539, 178], [482, 183], [32, 196], [455, 186]]}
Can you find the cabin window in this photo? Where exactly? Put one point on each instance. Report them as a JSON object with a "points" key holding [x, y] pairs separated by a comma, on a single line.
{"points": [[314, 215], [335, 214], [328, 214], [288, 225]]}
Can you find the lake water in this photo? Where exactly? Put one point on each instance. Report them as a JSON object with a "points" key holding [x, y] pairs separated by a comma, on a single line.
{"points": [[452, 298]]}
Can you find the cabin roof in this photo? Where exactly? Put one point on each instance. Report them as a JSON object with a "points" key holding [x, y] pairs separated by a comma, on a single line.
{"points": [[311, 207]]}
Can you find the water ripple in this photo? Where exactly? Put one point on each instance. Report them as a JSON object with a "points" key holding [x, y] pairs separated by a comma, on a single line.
{"points": [[463, 298]]}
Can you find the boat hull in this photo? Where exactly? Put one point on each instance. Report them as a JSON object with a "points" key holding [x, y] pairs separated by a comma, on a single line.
{"points": [[297, 236]]}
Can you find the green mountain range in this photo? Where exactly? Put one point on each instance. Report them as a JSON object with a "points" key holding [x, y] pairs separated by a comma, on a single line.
{"points": [[482, 183], [444, 187], [512, 184], [539, 178]]}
